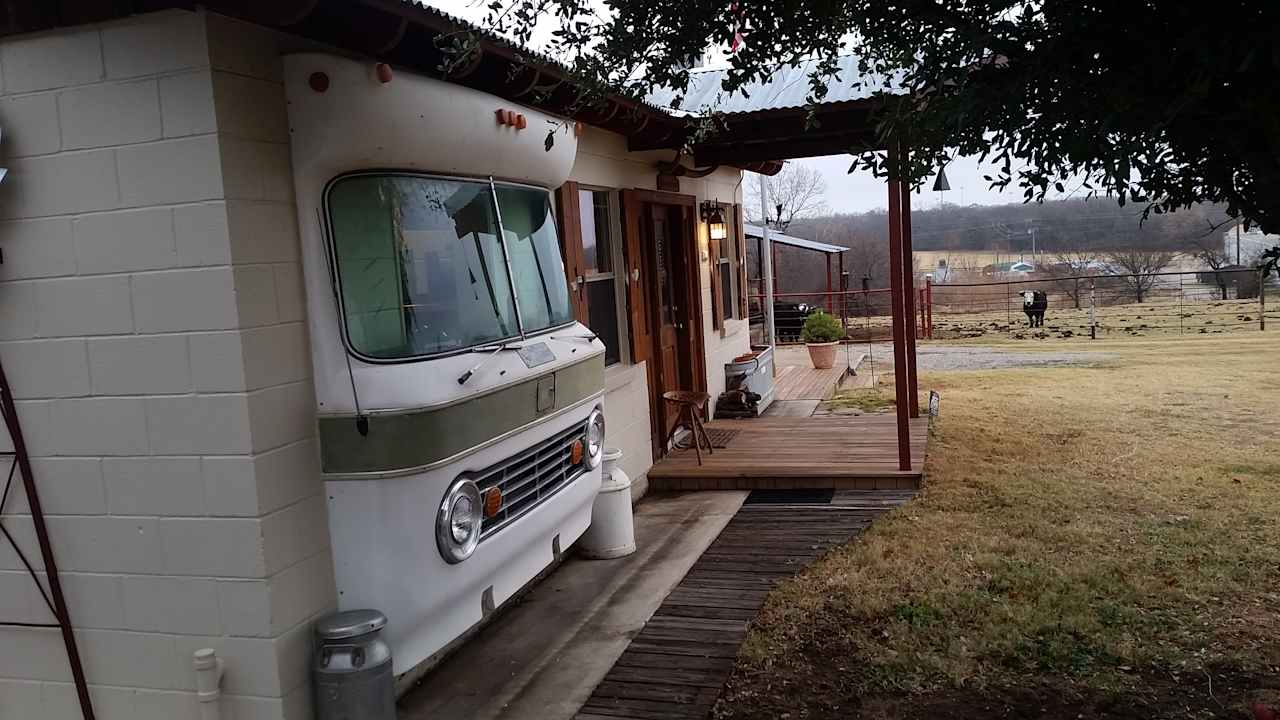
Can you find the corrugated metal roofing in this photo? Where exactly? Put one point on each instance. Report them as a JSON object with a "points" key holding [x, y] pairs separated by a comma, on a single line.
{"points": [[775, 236], [786, 87]]}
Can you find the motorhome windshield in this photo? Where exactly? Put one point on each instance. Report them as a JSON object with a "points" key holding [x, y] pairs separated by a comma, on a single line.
{"points": [[423, 268]]}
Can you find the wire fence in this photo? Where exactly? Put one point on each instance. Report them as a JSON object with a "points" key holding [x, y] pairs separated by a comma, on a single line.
{"points": [[1205, 302]]}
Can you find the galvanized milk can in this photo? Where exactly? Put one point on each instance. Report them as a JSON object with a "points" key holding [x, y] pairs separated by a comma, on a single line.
{"points": [[352, 670]]}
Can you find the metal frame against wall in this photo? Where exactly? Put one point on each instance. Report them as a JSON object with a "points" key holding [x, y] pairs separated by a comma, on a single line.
{"points": [[20, 463]]}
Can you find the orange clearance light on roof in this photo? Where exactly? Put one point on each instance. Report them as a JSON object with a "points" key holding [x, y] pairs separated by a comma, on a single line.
{"points": [[318, 81], [383, 71], [492, 502], [511, 118], [575, 452]]}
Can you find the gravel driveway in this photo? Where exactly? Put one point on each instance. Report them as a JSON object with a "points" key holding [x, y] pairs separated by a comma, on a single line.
{"points": [[967, 357]]}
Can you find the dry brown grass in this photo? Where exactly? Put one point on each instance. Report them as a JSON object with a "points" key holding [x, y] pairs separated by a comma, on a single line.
{"points": [[1094, 526]]}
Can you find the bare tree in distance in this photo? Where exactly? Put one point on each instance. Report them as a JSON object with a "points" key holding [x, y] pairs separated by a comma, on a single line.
{"points": [[1138, 268], [1067, 267], [1209, 250], [797, 192]]}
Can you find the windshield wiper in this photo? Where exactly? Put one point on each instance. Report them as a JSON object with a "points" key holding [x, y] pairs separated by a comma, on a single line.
{"points": [[589, 337], [493, 351]]}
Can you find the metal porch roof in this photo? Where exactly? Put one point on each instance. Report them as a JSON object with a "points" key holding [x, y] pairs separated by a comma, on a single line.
{"points": [[775, 236]]}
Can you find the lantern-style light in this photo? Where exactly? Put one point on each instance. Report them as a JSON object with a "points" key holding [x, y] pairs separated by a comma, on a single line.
{"points": [[713, 215]]}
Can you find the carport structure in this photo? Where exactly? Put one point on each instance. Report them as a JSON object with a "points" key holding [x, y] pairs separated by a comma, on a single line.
{"points": [[769, 122]]}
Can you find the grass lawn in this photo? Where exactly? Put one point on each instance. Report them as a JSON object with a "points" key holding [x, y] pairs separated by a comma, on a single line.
{"points": [[1092, 542]]}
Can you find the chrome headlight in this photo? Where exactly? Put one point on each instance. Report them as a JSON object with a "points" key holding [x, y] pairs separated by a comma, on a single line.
{"points": [[595, 438], [458, 522]]}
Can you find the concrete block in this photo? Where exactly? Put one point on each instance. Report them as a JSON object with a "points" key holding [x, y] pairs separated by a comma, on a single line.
{"points": [[36, 418], [301, 591], [37, 248], [185, 300], [46, 368], [245, 607], [20, 600], [170, 171], [155, 43], [275, 355], [130, 659], [256, 296], [295, 533], [140, 365], [24, 533], [30, 125], [151, 705], [222, 547], [262, 232], [249, 108], [282, 415], [293, 656], [83, 306], [230, 486], [277, 173], [202, 234], [65, 183], [51, 60], [109, 114], [246, 49], [20, 699], [17, 310], [125, 240], [106, 544], [154, 486], [33, 655], [183, 606], [67, 486], [111, 703], [287, 475], [217, 362], [248, 707], [256, 170], [59, 700], [99, 426], [186, 104], [94, 600], [199, 424], [290, 295]]}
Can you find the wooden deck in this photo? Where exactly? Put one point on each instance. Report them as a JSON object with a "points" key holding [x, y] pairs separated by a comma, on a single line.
{"points": [[803, 382], [851, 452], [676, 666]]}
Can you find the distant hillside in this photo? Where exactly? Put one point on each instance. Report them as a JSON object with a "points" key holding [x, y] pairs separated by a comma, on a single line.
{"points": [[1058, 225]]}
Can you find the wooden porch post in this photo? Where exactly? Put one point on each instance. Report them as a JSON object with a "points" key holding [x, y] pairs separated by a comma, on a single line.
{"points": [[831, 301], [896, 290], [909, 296]]}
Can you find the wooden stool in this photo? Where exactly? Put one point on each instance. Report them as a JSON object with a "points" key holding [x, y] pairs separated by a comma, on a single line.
{"points": [[690, 404]]}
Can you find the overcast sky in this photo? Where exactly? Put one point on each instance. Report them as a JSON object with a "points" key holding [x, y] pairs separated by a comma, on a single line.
{"points": [[846, 193]]}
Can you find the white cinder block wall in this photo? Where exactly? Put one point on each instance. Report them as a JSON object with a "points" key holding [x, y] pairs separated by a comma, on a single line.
{"points": [[152, 325]]}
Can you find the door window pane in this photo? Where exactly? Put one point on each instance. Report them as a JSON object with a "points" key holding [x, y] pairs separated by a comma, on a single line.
{"points": [[726, 289]]}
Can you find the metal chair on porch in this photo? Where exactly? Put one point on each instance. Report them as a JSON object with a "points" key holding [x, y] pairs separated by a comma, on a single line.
{"points": [[690, 405]]}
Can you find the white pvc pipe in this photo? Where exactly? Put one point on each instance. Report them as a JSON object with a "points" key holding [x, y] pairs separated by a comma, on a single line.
{"points": [[208, 681], [766, 256]]}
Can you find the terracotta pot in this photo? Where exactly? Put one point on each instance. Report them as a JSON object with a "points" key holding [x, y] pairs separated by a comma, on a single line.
{"points": [[822, 355]]}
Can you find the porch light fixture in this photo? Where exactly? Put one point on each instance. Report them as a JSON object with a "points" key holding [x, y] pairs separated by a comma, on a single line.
{"points": [[713, 215]]}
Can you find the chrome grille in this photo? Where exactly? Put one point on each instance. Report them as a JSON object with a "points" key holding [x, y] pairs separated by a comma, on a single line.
{"points": [[529, 477]]}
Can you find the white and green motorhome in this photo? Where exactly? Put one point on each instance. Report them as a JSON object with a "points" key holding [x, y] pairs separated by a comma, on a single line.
{"points": [[460, 404]]}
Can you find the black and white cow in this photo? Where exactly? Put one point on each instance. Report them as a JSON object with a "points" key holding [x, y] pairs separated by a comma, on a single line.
{"points": [[1034, 303]]}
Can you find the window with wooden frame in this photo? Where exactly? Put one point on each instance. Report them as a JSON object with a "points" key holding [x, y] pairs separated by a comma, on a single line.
{"points": [[592, 244], [726, 270]]}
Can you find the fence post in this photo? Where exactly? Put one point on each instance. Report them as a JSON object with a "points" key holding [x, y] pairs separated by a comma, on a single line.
{"points": [[1262, 300], [1008, 304], [1181, 292], [1093, 317], [928, 292]]}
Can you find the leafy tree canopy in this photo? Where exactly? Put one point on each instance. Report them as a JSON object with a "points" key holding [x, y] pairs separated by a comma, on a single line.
{"points": [[1164, 103]]}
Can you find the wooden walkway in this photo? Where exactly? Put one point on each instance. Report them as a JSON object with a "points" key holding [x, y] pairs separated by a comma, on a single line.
{"points": [[796, 382], [676, 666], [857, 452]]}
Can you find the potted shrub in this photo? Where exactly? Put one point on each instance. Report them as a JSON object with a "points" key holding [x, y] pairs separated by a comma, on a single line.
{"points": [[821, 332]]}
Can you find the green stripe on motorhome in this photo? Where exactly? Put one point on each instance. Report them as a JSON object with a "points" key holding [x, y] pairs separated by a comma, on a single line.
{"points": [[414, 439]]}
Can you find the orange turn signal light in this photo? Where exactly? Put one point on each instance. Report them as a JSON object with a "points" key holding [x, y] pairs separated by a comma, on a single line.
{"points": [[575, 452], [492, 502]]}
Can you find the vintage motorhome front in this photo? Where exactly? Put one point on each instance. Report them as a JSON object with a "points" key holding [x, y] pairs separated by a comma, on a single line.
{"points": [[460, 412]]}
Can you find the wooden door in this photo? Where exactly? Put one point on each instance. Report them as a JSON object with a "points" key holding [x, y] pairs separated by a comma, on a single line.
{"points": [[670, 320]]}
